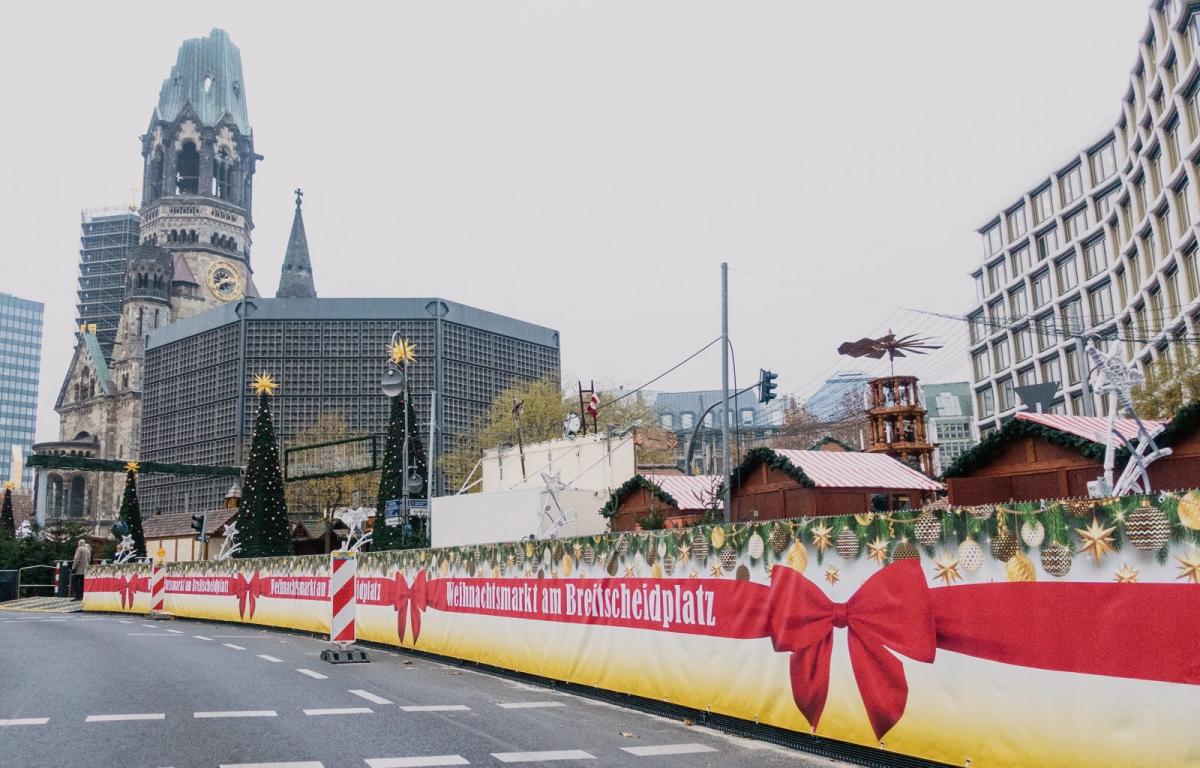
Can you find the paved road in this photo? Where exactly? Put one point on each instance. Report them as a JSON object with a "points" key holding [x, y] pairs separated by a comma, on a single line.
{"points": [[85, 690]]}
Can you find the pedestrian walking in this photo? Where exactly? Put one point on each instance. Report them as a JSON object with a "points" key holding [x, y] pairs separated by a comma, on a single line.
{"points": [[83, 556]]}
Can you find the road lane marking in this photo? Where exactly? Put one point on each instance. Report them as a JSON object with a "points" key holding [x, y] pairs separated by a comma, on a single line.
{"points": [[314, 675], [416, 762], [542, 757], [173, 631], [668, 749], [438, 708], [202, 637], [234, 647], [123, 621], [243, 637], [147, 634], [237, 713], [111, 718], [370, 697], [342, 711], [312, 764], [26, 721], [530, 704], [268, 658], [53, 619]]}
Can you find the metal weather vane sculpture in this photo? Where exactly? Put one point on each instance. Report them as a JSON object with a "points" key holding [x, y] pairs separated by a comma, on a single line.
{"points": [[889, 345], [1111, 376]]}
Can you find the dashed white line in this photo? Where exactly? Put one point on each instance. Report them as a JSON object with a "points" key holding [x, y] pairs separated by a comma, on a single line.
{"points": [[668, 749], [26, 721], [202, 637], [438, 708], [314, 675], [148, 634], [416, 762], [234, 647], [112, 718], [123, 621], [53, 619], [237, 713], [341, 711], [173, 631], [268, 658], [542, 757], [530, 704], [312, 764], [370, 697]]}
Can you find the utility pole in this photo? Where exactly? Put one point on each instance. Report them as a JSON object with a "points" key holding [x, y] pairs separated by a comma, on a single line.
{"points": [[725, 385]]}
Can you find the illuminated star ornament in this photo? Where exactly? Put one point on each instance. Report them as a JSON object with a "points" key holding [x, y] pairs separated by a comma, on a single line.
{"points": [[946, 568], [831, 574], [1126, 575], [130, 466], [877, 551], [264, 384], [1190, 568], [1096, 540], [403, 351], [822, 537], [716, 571]]}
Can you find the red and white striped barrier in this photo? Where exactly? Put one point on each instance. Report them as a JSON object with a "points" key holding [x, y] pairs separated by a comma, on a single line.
{"points": [[342, 589], [156, 587], [57, 574]]}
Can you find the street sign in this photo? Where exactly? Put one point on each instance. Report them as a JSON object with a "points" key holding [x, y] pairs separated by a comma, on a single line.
{"points": [[418, 503], [391, 512]]}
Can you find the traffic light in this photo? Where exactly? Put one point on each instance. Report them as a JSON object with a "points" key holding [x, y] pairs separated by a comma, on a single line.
{"points": [[198, 522], [766, 386]]}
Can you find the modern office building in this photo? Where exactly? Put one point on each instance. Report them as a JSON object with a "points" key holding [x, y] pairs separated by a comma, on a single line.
{"points": [[328, 356], [105, 237], [842, 390], [949, 421], [20, 361], [1104, 246], [751, 422]]}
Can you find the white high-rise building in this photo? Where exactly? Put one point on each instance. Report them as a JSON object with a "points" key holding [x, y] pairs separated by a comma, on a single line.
{"points": [[1105, 246]]}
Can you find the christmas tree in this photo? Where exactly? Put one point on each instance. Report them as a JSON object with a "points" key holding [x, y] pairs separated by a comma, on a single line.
{"points": [[263, 527], [131, 511], [8, 526], [391, 481]]}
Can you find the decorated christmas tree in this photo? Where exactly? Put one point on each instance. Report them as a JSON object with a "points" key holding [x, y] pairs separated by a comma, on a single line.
{"points": [[131, 511], [391, 481], [263, 525], [8, 525]]}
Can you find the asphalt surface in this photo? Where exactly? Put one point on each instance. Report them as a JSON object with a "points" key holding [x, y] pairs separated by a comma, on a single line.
{"points": [[98, 690]]}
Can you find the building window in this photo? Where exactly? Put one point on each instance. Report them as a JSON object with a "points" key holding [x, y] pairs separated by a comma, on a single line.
{"points": [[1071, 185], [979, 361], [1139, 195], [1172, 280], [747, 417], [985, 402], [1072, 317], [1149, 249], [1077, 225], [1172, 142], [1043, 206], [1152, 161], [1022, 344], [1000, 352], [1104, 203], [1019, 303], [980, 291], [1048, 243], [1077, 404], [1046, 332], [668, 421], [1129, 334], [1139, 315], [1008, 399], [1022, 261], [1193, 274], [1100, 300], [1068, 275], [978, 328], [1026, 377], [1104, 162], [997, 276], [1050, 371], [1124, 225], [1041, 289], [1135, 275], [991, 241], [1017, 225], [1095, 256], [1182, 207], [1121, 288], [1156, 310], [687, 420], [996, 314], [1193, 110]]}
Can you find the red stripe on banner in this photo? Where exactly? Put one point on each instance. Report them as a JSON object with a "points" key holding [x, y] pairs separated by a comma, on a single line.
{"points": [[279, 587]]}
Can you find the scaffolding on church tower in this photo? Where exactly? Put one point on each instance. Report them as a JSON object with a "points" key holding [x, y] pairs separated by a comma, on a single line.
{"points": [[105, 236]]}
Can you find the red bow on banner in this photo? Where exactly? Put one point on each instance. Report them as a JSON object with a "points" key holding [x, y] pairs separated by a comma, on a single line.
{"points": [[408, 600], [244, 588], [130, 586], [891, 610]]}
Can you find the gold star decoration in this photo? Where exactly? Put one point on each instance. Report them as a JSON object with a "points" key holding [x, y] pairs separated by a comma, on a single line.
{"points": [[578, 551], [130, 466], [8, 485], [1190, 566], [403, 351], [1126, 575], [831, 574], [716, 570], [264, 383], [1096, 540], [685, 554], [946, 568], [877, 551], [629, 571], [693, 575], [822, 537]]}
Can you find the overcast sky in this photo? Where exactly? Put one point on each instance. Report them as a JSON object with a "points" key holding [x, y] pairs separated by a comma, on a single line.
{"points": [[584, 165]]}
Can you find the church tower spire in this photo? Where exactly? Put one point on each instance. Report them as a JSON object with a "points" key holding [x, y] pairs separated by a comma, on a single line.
{"points": [[296, 280]]}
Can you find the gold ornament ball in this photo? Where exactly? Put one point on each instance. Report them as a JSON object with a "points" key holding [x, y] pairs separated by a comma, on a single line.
{"points": [[1147, 528], [927, 528], [1004, 546], [743, 573], [656, 571], [905, 550], [718, 538], [847, 544], [1033, 534], [970, 555], [1056, 559], [1020, 568], [797, 557], [1078, 508], [1189, 510], [567, 565]]}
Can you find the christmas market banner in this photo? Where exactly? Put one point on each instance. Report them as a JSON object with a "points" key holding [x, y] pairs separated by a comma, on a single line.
{"points": [[118, 588], [288, 592]]}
